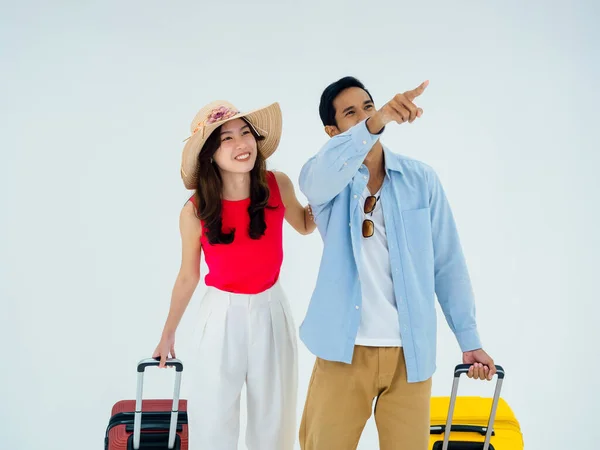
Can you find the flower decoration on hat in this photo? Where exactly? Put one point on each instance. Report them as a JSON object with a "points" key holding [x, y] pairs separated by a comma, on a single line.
{"points": [[216, 115], [220, 113]]}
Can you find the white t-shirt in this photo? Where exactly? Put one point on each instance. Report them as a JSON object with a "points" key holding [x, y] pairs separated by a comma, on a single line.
{"points": [[379, 317]]}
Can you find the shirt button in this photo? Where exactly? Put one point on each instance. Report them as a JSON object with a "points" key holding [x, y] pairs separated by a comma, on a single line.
{"points": [[364, 142], [345, 163], [356, 306], [355, 196]]}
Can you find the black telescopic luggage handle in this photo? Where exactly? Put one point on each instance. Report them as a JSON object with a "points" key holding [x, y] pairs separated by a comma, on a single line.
{"points": [[458, 371], [137, 421], [150, 362], [464, 368]]}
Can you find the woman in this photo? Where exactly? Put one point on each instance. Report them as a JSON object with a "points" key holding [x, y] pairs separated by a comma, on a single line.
{"points": [[246, 331]]}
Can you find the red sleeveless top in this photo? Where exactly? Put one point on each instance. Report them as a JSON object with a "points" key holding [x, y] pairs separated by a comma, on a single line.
{"points": [[246, 266]]}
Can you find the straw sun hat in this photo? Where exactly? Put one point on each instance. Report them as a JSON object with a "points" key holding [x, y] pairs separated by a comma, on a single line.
{"points": [[266, 121]]}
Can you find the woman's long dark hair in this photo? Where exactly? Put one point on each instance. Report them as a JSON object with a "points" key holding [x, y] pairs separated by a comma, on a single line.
{"points": [[209, 192]]}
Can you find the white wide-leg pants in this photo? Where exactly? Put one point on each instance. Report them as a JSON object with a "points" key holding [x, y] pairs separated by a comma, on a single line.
{"points": [[243, 339]]}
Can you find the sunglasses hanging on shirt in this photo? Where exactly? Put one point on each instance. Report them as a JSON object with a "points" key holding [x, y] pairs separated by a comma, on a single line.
{"points": [[368, 227]]}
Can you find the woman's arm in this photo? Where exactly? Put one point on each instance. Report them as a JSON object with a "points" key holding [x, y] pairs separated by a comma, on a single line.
{"points": [[187, 280], [298, 216]]}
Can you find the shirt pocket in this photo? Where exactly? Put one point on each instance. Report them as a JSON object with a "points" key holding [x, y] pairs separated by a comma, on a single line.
{"points": [[417, 230]]}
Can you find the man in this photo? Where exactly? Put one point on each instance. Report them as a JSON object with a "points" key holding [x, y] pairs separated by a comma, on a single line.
{"points": [[390, 246]]}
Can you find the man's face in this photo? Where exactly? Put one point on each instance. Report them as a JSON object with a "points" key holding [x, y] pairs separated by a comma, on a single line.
{"points": [[352, 106]]}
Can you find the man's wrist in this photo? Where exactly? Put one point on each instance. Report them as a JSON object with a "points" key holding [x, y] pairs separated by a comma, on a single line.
{"points": [[375, 124], [468, 340]]}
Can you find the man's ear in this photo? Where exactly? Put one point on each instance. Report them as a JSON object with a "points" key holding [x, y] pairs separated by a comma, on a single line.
{"points": [[332, 130]]}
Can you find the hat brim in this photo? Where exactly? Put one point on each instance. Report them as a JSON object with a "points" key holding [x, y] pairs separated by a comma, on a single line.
{"points": [[267, 121]]}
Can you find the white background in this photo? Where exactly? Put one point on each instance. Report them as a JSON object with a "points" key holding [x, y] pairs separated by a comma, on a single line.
{"points": [[97, 98]]}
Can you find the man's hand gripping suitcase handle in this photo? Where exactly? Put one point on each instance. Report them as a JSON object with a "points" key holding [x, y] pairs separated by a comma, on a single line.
{"points": [[464, 369]]}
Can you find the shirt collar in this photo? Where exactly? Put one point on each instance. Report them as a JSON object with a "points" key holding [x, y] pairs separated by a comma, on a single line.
{"points": [[391, 160]]}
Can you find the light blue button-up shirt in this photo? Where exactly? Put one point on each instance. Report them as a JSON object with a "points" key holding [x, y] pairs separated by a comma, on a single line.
{"points": [[425, 253]]}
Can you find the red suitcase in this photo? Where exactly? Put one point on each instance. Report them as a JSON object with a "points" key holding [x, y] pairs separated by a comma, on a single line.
{"points": [[149, 424]]}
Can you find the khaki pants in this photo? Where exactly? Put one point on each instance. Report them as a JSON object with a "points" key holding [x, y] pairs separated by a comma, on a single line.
{"points": [[340, 401]]}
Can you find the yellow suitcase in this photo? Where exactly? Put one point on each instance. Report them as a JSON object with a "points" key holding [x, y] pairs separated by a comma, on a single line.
{"points": [[473, 423]]}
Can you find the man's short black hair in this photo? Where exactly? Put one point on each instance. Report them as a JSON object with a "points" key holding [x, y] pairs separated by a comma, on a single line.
{"points": [[326, 109]]}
